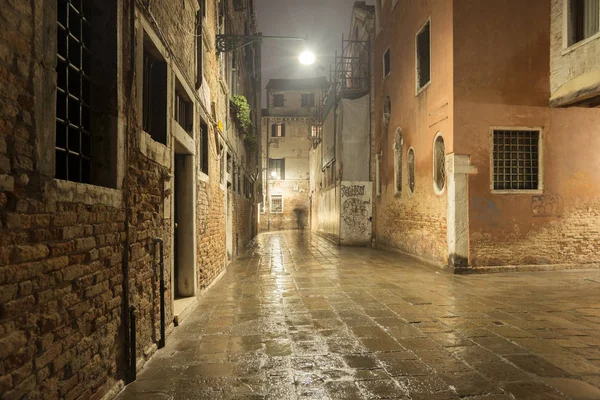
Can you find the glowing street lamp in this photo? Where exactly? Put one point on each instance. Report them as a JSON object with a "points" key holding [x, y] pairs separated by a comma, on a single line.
{"points": [[307, 57]]}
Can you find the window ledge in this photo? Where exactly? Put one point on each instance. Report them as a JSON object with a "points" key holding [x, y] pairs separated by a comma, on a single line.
{"points": [[75, 192], [518, 191], [423, 88], [579, 44], [154, 150]]}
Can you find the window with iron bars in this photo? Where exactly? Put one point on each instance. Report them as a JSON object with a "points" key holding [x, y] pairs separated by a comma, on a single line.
{"points": [[184, 111], [515, 158], [154, 94], [276, 204], [74, 110]]}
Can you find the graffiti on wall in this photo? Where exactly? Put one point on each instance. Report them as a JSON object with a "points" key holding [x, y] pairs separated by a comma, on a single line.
{"points": [[547, 205], [356, 211]]}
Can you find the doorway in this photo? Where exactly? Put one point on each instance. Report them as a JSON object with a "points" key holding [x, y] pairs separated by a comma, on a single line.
{"points": [[184, 227]]}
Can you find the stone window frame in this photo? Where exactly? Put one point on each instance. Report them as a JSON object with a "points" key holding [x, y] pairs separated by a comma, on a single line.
{"points": [[398, 159], [436, 189], [420, 89], [45, 110], [411, 191], [540, 189]]}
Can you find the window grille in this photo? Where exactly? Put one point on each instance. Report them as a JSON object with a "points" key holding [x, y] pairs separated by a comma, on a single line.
{"points": [[516, 160], [398, 160], [411, 170], [154, 95], [378, 179], [199, 45], [184, 114], [74, 91], [278, 100], [386, 63], [439, 161], [276, 204], [423, 57]]}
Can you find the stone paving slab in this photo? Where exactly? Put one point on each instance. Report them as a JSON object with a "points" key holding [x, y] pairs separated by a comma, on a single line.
{"points": [[299, 318]]}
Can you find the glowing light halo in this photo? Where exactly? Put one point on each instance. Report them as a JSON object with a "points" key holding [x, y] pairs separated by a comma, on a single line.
{"points": [[307, 57]]}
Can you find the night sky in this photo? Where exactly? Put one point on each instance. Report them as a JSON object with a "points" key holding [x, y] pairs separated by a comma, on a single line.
{"points": [[324, 21]]}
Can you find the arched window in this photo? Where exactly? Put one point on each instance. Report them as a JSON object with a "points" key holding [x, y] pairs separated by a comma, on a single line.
{"points": [[387, 112], [398, 161], [439, 161], [411, 169]]}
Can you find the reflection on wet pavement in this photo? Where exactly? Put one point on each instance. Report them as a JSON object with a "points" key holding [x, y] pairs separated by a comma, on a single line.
{"points": [[299, 318]]}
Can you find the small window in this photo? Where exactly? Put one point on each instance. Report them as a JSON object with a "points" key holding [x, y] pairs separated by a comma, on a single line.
{"points": [[410, 161], [221, 163], [278, 100], [439, 164], [184, 110], [154, 94], [516, 159], [308, 100], [278, 130], [203, 147], [584, 19], [386, 63], [229, 170], [277, 168], [276, 204], [313, 130], [398, 144], [387, 111], [378, 175], [423, 57]]}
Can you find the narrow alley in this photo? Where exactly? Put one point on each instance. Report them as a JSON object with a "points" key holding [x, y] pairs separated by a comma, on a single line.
{"points": [[298, 317]]}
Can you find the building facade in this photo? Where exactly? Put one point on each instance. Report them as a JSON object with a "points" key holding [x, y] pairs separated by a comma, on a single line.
{"points": [[477, 168], [340, 158], [124, 168], [287, 131]]}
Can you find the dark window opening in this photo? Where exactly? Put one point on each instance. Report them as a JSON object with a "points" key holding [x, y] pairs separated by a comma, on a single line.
{"points": [[86, 67], [199, 46], [386, 63], [398, 148], [423, 57], [584, 18], [184, 111], [155, 94], [203, 151], [277, 168], [411, 170], [278, 100], [516, 160], [308, 100], [278, 130]]}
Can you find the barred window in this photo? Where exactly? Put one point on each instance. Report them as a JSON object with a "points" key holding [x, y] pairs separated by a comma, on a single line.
{"points": [[86, 100], [516, 159], [378, 185], [276, 204], [439, 161], [203, 147], [398, 141], [154, 93], [184, 110], [410, 161]]}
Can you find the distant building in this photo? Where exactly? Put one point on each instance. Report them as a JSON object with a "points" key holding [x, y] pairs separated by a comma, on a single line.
{"points": [[341, 183], [475, 169], [287, 128]]}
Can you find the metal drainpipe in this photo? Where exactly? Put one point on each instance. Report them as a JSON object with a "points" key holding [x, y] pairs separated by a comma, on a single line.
{"points": [[161, 341]]}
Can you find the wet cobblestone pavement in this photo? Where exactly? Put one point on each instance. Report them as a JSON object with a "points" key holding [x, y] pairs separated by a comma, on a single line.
{"points": [[299, 318]]}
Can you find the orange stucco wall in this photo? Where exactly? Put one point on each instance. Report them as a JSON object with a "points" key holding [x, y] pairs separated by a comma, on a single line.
{"points": [[415, 223], [501, 79]]}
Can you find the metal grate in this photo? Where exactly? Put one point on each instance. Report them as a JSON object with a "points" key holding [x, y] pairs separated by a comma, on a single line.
{"points": [[74, 90], [398, 166], [411, 170], [276, 204], [516, 160], [439, 163]]}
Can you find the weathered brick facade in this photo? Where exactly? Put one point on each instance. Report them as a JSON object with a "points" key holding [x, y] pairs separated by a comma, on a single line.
{"points": [[74, 257]]}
